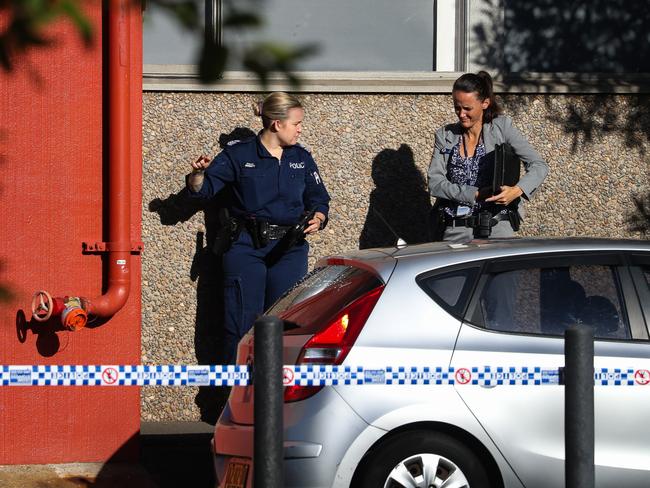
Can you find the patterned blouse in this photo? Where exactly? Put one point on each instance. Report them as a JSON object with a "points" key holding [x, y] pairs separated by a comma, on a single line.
{"points": [[475, 171]]}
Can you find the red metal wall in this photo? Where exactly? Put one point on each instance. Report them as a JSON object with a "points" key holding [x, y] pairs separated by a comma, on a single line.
{"points": [[52, 198]]}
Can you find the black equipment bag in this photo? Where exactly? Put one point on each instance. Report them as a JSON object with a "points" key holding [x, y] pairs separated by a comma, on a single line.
{"points": [[506, 167]]}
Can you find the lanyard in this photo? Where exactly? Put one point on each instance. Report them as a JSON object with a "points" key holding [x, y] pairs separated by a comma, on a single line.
{"points": [[480, 136], [469, 160]]}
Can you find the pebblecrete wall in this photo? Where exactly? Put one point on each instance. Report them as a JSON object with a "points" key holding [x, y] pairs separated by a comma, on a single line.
{"points": [[373, 152]]}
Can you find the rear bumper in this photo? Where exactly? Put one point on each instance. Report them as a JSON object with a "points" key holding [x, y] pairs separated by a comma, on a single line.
{"points": [[316, 439]]}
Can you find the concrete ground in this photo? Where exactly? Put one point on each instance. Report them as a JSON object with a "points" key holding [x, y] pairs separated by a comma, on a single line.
{"points": [[172, 454]]}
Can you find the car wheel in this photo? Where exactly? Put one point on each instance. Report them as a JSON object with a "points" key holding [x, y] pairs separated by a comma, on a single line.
{"points": [[424, 460]]}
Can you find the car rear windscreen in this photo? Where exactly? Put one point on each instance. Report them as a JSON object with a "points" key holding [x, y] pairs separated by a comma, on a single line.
{"points": [[309, 305]]}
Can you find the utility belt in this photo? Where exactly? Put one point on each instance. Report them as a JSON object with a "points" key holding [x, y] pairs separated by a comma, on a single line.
{"points": [[483, 222], [262, 232], [471, 220]]}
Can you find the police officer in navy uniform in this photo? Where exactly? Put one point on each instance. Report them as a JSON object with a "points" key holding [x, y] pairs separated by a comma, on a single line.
{"points": [[275, 183]]}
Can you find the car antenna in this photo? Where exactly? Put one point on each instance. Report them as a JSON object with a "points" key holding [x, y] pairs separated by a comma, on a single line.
{"points": [[400, 242]]}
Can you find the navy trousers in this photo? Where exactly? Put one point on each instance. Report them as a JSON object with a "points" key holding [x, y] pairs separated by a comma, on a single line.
{"points": [[250, 287]]}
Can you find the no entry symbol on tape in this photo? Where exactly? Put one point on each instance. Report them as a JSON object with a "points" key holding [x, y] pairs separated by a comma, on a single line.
{"points": [[463, 376], [642, 376], [287, 376], [109, 376]]}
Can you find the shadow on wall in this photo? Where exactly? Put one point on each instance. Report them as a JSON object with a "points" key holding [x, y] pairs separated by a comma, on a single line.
{"points": [[48, 341], [207, 271], [639, 220], [554, 36], [167, 458], [400, 201], [568, 43]]}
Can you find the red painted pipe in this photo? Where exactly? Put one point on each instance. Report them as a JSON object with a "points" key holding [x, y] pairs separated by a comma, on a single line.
{"points": [[119, 181], [119, 188]]}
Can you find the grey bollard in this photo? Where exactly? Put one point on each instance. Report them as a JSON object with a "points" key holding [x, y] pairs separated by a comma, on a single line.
{"points": [[579, 407], [268, 451]]}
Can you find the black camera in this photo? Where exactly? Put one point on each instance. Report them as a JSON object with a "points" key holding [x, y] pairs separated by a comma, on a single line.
{"points": [[482, 225]]}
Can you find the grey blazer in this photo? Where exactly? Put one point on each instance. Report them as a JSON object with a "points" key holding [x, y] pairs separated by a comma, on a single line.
{"points": [[498, 131]]}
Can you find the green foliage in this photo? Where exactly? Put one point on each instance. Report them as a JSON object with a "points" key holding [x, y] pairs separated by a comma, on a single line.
{"points": [[262, 58], [25, 23], [212, 62], [185, 12], [266, 58], [5, 292], [27, 20], [239, 19]]}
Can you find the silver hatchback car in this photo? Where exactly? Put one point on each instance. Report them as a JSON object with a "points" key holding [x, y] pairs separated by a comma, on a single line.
{"points": [[487, 303]]}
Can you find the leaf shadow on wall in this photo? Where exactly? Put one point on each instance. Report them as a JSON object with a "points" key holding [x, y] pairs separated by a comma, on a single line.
{"points": [[638, 219], [598, 46], [207, 271], [400, 202]]}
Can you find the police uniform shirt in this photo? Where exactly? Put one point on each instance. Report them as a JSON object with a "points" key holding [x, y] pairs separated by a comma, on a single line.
{"points": [[275, 191]]}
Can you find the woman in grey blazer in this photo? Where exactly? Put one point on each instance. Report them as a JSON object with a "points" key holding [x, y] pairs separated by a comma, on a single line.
{"points": [[460, 174]]}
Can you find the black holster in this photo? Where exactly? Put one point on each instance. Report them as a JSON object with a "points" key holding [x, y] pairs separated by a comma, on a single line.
{"points": [[437, 221], [228, 232], [514, 218], [259, 232]]}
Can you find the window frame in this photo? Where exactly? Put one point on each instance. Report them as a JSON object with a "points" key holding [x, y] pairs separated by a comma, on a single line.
{"points": [[465, 295], [641, 286], [171, 77], [449, 57]]}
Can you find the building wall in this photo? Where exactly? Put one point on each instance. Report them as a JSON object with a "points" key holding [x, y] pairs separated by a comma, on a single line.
{"points": [[53, 197], [373, 152]]}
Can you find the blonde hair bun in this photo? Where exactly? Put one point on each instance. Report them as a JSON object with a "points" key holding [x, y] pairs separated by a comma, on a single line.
{"points": [[275, 106]]}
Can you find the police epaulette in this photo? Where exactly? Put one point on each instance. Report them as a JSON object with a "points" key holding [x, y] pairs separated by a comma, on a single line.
{"points": [[233, 142], [306, 148]]}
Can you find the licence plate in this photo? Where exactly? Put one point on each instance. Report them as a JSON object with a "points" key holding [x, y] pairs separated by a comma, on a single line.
{"points": [[236, 475]]}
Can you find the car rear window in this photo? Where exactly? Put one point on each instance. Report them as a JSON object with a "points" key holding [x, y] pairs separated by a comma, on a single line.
{"points": [[451, 290], [320, 295]]}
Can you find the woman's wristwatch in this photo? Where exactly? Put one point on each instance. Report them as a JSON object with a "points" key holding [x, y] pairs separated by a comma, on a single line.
{"points": [[320, 220]]}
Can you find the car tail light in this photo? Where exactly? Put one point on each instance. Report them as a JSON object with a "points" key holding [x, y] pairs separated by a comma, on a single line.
{"points": [[332, 343]]}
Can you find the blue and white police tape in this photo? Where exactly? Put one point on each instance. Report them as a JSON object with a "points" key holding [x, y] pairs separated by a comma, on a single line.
{"points": [[303, 375], [115, 375]]}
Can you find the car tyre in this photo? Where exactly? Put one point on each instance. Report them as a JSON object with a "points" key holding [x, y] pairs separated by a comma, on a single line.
{"points": [[423, 458]]}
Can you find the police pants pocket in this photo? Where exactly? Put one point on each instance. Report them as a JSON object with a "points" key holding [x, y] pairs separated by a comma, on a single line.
{"points": [[233, 305]]}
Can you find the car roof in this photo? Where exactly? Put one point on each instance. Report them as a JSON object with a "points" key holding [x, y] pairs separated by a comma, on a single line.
{"points": [[383, 260], [527, 245]]}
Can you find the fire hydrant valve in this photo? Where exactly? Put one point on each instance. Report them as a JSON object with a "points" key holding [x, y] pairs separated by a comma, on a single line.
{"points": [[71, 309], [42, 306], [74, 316]]}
